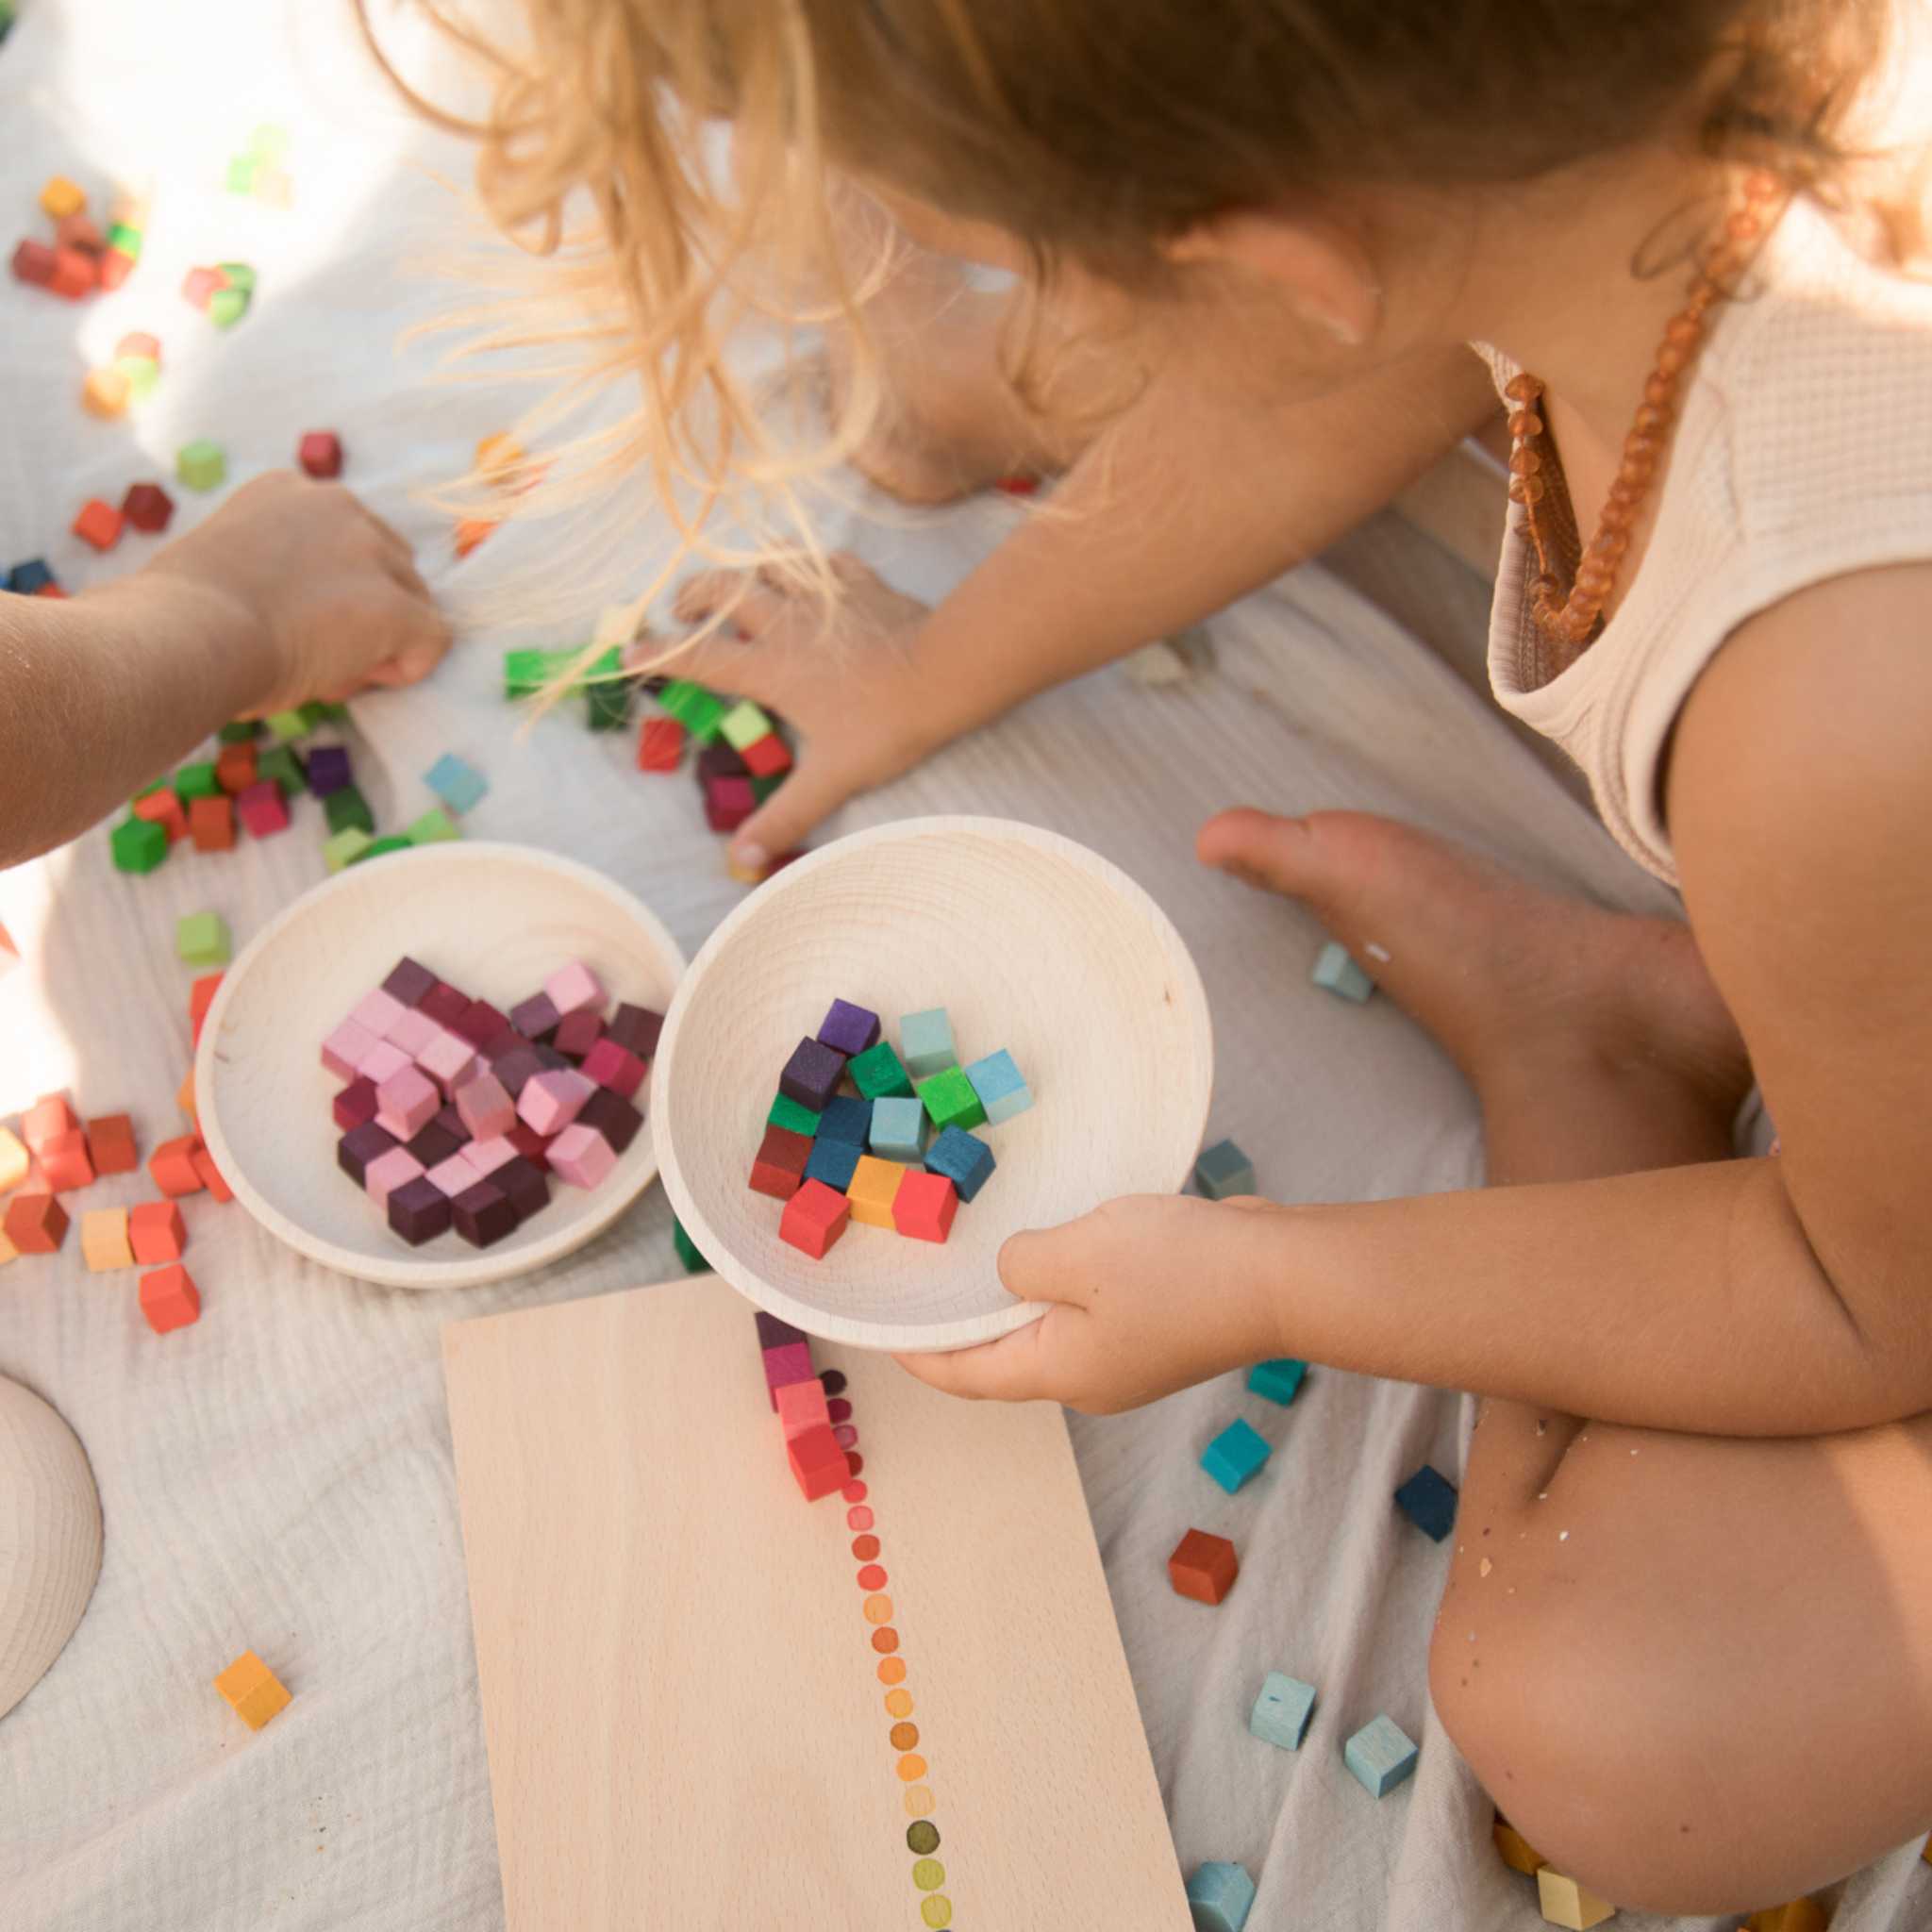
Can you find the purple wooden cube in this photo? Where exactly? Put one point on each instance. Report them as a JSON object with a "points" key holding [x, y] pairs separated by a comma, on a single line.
{"points": [[812, 1075], [328, 769], [480, 1023], [451, 1122], [419, 1210], [772, 1333], [444, 1003], [577, 1033], [516, 1067], [360, 1146], [612, 1116], [535, 1018], [720, 759], [521, 1182], [434, 1144], [636, 1029], [409, 982], [483, 1214], [849, 1030]]}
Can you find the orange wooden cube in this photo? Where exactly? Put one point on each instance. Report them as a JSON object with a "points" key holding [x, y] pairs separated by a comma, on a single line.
{"points": [[1515, 1849], [46, 1120], [104, 1242], [36, 1223], [1202, 1567], [15, 1161], [201, 996], [170, 1166], [99, 523], [62, 197], [211, 823], [170, 1299], [164, 809], [235, 768], [64, 1161], [1800, 1915], [105, 393], [75, 275], [184, 1098], [211, 1175], [156, 1232], [253, 1689], [472, 533]]}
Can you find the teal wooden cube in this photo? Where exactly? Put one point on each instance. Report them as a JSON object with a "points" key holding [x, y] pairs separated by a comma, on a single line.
{"points": [[201, 464], [950, 1101], [927, 1039], [879, 1074], [434, 827], [346, 806], [1279, 1380], [1281, 1712], [743, 723], [1234, 1456], [1381, 1755], [137, 844], [458, 783], [1224, 1171], [1220, 1897], [1429, 1500], [898, 1129], [792, 1116], [1002, 1092], [201, 939], [964, 1158], [1336, 972]]}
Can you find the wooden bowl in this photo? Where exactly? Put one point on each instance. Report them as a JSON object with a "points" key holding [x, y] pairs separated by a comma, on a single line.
{"points": [[491, 919], [1030, 942]]}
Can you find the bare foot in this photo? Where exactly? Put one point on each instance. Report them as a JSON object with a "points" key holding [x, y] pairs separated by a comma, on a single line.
{"points": [[1523, 990]]}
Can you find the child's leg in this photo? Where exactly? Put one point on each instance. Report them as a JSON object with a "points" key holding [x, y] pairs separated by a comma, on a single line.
{"points": [[1695, 1671]]}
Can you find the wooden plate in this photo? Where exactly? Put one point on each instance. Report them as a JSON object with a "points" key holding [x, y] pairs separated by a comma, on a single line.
{"points": [[491, 919], [1032, 943]]}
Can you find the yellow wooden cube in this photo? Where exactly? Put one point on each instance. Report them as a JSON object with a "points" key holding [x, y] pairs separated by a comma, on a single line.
{"points": [[13, 1160], [252, 1689], [1801, 1915], [1566, 1903], [184, 1097], [1516, 1851], [873, 1187], [105, 393], [104, 1242], [62, 197]]}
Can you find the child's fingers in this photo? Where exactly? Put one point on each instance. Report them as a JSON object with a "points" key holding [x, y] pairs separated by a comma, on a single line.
{"points": [[1016, 1367], [736, 597], [816, 789]]}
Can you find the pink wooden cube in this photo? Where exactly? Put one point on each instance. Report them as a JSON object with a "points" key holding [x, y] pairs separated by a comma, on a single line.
{"points": [[485, 1107], [487, 1156], [378, 1011], [261, 807], [448, 1060], [405, 1103], [614, 1067], [551, 1101], [413, 1031], [382, 1062], [581, 1155], [342, 1051], [389, 1172], [801, 1407], [456, 1175], [575, 987]]}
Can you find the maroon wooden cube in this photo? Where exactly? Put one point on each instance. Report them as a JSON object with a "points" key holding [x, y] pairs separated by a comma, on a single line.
{"points": [[484, 1214], [728, 801], [480, 1023], [517, 1066], [443, 1003], [779, 1169], [148, 507], [409, 982], [434, 1144], [521, 1183], [360, 1146], [772, 1333], [635, 1030], [355, 1104], [577, 1033], [613, 1117], [720, 759], [449, 1118], [535, 1018], [812, 1075], [419, 1210]]}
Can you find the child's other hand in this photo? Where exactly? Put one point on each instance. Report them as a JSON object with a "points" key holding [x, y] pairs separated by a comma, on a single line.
{"points": [[842, 676], [323, 587], [1149, 1294]]}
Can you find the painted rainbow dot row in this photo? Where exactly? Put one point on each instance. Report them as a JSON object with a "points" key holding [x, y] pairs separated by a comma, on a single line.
{"points": [[921, 1834]]}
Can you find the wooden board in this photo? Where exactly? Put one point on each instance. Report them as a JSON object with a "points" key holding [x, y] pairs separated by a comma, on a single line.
{"points": [[681, 1694]]}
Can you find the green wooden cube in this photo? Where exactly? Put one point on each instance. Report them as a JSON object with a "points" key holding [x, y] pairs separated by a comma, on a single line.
{"points": [[792, 1116], [6, 18], [239, 732], [694, 1263], [240, 275], [137, 844], [879, 1074], [607, 692], [227, 306], [201, 939], [279, 764], [242, 170], [284, 727], [196, 781], [144, 376], [700, 711], [201, 464], [393, 842], [347, 807], [950, 1101], [434, 827], [527, 671], [761, 788], [346, 847], [743, 723], [125, 239]]}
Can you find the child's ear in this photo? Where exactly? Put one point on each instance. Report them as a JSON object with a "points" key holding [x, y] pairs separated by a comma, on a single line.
{"points": [[1320, 266]]}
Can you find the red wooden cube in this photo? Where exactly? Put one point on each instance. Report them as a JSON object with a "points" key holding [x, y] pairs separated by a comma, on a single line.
{"points": [[766, 757], [531, 1145], [212, 823], [319, 452], [470, 533], [110, 1143], [210, 1174], [925, 1205], [815, 1217], [661, 744], [36, 1223], [613, 1066], [46, 1120], [728, 801], [168, 1298], [1202, 1567], [262, 808], [156, 1232], [199, 285], [98, 524], [33, 261], [139, 343], [116, 265], [817, 1461], [64, 1162], [779, 1169], [148, 507], [75, 275], [164, 809], [77, 231], [235, 769], [172, 1168]]}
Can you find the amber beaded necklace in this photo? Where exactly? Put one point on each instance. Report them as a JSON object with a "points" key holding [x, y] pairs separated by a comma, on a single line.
{"points": [[1571, 621]]}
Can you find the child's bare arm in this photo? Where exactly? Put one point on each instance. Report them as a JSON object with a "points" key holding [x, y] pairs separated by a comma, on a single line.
{"points": [[1186, 506], [292, 591], [1753, 1297]]}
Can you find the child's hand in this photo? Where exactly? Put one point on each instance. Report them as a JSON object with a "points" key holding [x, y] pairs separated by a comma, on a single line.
{"points": [[1151, 1294], [842, 676], [323, 587]]}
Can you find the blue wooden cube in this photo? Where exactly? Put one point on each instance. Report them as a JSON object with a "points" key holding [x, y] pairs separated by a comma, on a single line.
{"points": [[1002, 1090], [925, 1043], [1234, 1456], [898, 1132], [1381, 1755], [964, 1158], [457, 784], [1279, 1380], [1220, 1897], [834, 1163], [846, 1119], [27, 579], [1336, 972], [1281, 1712], [1223, 1171], [1429, 1500]]}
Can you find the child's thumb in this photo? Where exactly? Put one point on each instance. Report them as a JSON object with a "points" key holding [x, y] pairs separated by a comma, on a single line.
{"points": [[815, 790]]}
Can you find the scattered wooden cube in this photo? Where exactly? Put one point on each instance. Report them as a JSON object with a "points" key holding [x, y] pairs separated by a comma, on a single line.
{"points": [[1202, 1567], [577, 1033], [1281, 1712], [845, 1119], [156, 1232], [785, 1361], [693, 1262], [636, 1029], [211, 1176], [45, 1120], [320, 453], [814, 1218], [202, 939], [161, 808], [1515, 1849], [1337, 972], [812, 1075], [1566, 1903], [98, 524], [927, 1039], [485, 1107], [964, 1158], [728, 801], [743, 723], [35, 1223], [661, 744], [75, 275], [262, 808], [211, 823], [848, 1029], [1224, 1171], [1799, 1915], [355, 1105], [768, 756], [105, 393], [148, 507], [897, 1131], [64, 1163], [878, 1073], [872, 1189], [201, 464], [581, 1156], [1220, 1897], [172, 1168], [253, 1690], [925, 1205], [459, 784], [34, 262], [1381, 1755], [818, 1463], [104, 1242], [1235, 1456], [1278, 1380], [612, 1116], [168, 1298], [1429, 1500]]}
